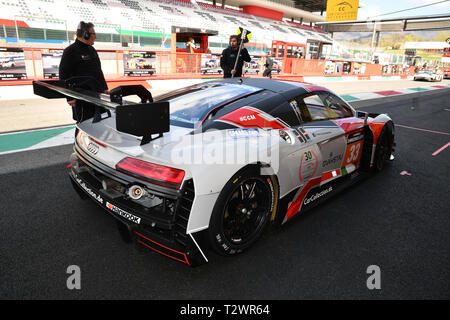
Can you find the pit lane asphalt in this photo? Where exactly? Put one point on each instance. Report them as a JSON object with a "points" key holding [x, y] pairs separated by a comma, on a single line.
{"points": [[400, 223]]}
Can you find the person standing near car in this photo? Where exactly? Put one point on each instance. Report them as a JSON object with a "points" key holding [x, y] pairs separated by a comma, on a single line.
{"points": [[190, 45], [229, 56], [269, 66], [81, 59], [190, 49]]}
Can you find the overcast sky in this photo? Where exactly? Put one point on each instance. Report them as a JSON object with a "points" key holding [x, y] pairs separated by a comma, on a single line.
{"points": [[376, 7]]}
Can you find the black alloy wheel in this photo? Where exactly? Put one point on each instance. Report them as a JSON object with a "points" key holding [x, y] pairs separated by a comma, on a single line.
{"points": [[246, 211], [242, 211]]}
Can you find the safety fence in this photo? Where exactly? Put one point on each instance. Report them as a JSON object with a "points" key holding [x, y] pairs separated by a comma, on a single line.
{"points": [[28, 64]]}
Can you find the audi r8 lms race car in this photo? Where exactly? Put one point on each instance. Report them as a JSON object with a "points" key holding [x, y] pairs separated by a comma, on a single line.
{"points": [[231, 158]]}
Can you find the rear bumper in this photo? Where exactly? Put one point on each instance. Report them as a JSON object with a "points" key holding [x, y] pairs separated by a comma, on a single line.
{"points": [[161, 228]]}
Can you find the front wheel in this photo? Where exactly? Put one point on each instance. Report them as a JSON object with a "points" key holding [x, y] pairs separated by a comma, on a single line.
{"points": [[242, 211], [384, 147]]}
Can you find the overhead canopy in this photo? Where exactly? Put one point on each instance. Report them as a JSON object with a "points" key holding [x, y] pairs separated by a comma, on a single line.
{"points": [[299, 9], [418, 23], [311, 5]]}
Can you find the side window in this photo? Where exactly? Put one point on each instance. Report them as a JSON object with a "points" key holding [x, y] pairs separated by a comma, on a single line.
{"points": [[321, 106], [316, 108], [336, 105]]}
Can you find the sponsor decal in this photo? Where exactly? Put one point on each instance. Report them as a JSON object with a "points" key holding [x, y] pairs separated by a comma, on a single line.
{"points": [[332, 160], [295, 205], [251, 117], [317, 195], [247, 118], [354, 136], [89, 191], [244, 133], [123, 213]]}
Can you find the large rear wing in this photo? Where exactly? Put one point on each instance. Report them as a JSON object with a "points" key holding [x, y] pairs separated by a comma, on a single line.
{"points": [[140, 119]]}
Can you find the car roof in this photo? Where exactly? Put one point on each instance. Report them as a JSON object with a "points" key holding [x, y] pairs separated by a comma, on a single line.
{"points": [[288, 88]]}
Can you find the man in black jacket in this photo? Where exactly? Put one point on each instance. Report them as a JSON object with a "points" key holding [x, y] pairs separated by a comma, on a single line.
{"points": [[228, 58], [81, 59]]}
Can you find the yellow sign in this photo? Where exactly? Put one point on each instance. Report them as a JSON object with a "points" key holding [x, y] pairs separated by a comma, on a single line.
{"points": [[248, 35], [342, 10]]}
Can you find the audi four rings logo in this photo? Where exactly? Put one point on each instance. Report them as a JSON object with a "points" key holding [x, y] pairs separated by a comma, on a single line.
{"points": [[92, 148]]}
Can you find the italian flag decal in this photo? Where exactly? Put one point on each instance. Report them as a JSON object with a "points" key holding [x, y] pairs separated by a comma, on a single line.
{"points": [[331, 175]]}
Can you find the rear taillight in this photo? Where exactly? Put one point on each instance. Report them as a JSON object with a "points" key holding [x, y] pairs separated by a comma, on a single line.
{"points": [[154, 173]]}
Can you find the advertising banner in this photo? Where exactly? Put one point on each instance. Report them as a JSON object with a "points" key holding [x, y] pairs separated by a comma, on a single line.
{"points": [[277, 65], [210, 64], [50, 62], [12, 64], [329, 67], [339, 10], [138, 64], [254, 66]]}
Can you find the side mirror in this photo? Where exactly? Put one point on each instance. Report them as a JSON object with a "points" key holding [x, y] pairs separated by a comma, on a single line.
{"points": [[362, 115]]}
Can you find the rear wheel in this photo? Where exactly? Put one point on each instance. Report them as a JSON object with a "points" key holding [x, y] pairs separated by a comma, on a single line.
{"points": [[241, 212]]}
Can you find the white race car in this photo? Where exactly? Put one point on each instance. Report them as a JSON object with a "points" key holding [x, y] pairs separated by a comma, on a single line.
{"points": [[7, 64], [230, 158], [428, 75]]}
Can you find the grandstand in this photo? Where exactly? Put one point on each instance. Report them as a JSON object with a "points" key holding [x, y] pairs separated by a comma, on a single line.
{"points": [[146, 23]]}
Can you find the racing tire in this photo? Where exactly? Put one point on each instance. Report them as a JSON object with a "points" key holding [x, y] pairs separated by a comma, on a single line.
{"points": [[241, 213], [384, 147]]}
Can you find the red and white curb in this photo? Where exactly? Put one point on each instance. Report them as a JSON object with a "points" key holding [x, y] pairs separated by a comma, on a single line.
{"points": [[389, 93]]}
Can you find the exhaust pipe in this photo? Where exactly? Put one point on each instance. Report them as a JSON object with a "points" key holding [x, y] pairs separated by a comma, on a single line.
{"points": [[136, 192]]}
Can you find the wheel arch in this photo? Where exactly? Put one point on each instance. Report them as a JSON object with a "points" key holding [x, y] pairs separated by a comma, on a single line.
{"points": [[206, 197]]}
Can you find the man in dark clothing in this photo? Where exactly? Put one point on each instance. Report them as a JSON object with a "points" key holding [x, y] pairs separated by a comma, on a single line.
{"points": [[81, 59], [228, 58], [269, 66]]}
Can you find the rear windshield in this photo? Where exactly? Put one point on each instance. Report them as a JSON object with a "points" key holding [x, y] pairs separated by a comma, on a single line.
{"points": [[189, 106]]}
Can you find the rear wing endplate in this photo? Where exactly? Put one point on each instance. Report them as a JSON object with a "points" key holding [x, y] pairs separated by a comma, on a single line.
{"points": [[140, 119]]}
